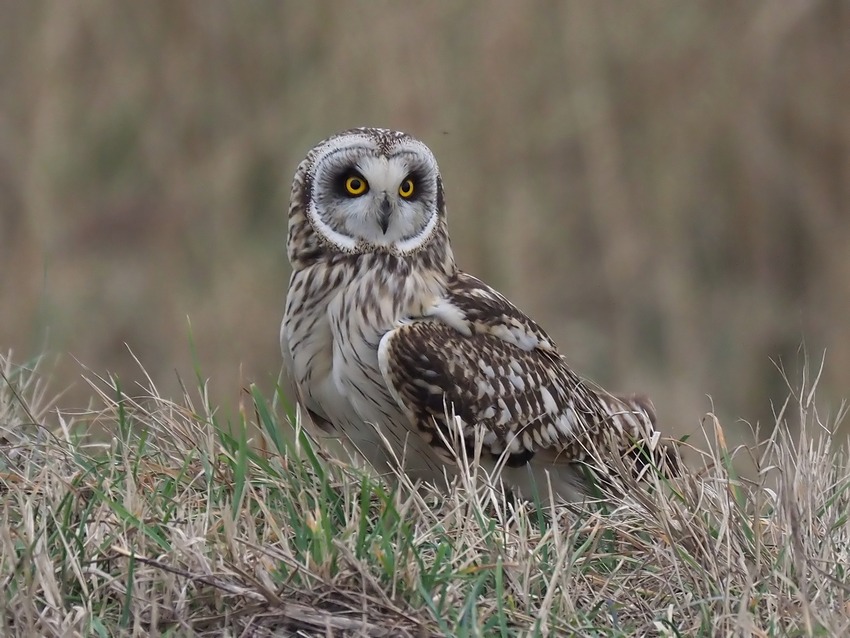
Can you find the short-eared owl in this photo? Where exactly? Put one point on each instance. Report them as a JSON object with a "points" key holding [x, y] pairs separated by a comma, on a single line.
{"points": [[382, 331]]}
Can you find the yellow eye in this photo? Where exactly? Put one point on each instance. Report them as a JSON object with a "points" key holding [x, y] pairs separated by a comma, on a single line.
{"points": [[355, 185], [406, 188]]}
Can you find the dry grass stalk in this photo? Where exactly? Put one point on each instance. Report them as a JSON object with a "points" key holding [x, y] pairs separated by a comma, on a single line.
{"points": [[183, 525]]}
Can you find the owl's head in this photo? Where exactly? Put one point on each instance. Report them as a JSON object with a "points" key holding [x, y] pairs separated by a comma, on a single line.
{"points": [[368, 190]]}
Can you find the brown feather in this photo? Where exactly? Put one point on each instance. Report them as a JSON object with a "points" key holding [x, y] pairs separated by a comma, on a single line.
{"points": [[505, 378]]}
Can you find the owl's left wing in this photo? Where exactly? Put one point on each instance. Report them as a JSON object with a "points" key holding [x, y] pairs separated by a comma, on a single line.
{"points": [[480, 358]]}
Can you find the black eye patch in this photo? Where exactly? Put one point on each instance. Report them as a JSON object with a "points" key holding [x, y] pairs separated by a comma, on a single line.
{"points": [[420, 185], [349, 183]]}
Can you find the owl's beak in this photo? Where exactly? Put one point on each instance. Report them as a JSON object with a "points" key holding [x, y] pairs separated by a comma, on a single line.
{"points": [[384, 214]]}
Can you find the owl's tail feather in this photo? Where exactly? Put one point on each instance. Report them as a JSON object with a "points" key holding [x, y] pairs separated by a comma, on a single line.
{"points": [[643, 449], [626, 444]]}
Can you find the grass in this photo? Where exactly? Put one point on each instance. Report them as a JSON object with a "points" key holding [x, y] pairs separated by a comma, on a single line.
{"points": [[186, 521]]}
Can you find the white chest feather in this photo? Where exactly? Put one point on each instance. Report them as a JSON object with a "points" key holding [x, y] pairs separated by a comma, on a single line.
{"points": [[359, 316], [331, 343]]}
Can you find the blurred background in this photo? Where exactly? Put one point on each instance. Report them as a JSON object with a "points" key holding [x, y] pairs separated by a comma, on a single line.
{"points": [[664, 186]]}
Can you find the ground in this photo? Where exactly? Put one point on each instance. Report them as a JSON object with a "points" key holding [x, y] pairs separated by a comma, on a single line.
{"points": [[187, 521]]}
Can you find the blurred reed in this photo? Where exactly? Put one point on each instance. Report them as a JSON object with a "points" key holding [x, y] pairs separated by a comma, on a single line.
{"points": [[664, 186]]}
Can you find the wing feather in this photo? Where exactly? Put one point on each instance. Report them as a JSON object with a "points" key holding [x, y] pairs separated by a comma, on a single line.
{"points": [[503, 376]]}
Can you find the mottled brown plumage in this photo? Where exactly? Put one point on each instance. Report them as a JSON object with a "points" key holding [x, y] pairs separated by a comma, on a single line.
{"points": [[389, 346]]}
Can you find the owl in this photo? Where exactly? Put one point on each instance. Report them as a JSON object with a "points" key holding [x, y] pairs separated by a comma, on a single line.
{"points": [[414, 363]]}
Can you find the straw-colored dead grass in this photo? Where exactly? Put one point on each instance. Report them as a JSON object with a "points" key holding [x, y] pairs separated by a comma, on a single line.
{"points": [[182, 524]]}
